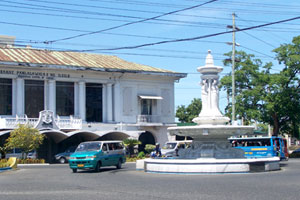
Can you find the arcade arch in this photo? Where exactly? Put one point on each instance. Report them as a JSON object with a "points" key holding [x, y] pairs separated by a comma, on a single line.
{"points": [[146, 138]]}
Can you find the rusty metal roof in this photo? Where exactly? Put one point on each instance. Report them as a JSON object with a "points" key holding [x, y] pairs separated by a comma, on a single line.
{"points": [[75, 59]]}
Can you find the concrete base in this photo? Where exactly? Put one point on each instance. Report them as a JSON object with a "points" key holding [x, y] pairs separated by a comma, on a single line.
{"points": [[208, 165]]}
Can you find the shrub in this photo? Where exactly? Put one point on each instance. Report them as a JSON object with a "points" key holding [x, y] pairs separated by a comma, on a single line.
{"points": [[141, 155], [30, 161], [149, 148], [130, 143], [3, 163], [131, 159]]}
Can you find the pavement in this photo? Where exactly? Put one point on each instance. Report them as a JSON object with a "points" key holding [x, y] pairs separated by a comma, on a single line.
{"points": [[56, 182]]}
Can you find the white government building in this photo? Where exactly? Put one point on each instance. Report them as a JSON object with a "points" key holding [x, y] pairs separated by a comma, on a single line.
{"points": [[73, 97]]}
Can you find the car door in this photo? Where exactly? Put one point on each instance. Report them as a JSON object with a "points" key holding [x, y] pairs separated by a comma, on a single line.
{"points": [[112, 154], [105, 155]]}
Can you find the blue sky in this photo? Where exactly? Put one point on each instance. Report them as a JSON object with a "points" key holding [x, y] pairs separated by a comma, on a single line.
{"points": [[35, 22]]}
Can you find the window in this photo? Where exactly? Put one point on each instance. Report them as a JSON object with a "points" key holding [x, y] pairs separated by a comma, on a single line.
{"points": [[6, 96], [93, 102], [146, 106], [64, 98], [34, 98]]}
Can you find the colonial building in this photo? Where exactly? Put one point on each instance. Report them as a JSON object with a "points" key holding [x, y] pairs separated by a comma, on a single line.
{"points": [[73, 97]]}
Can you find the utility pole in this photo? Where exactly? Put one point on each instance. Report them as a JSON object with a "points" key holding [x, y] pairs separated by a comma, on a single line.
{"points": [[233, 68], [234, 28]]}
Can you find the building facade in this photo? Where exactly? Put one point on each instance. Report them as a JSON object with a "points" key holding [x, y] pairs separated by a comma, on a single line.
{"points": [[73, 97]]}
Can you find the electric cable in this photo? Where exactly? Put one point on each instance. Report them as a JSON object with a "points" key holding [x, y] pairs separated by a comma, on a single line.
{"points": [[130, 23]]}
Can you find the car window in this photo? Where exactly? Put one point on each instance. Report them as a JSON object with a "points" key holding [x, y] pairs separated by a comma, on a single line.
{"points": [[104, 147], [89, 146], [111, 146], [119, 146]]}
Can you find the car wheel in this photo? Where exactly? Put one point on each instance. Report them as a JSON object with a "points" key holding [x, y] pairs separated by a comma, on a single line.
{"points": [[74, 170], [62, 160], [98, 167], [119, 165]]}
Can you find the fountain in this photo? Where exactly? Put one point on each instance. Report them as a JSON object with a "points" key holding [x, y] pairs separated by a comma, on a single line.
{"points": [[210, 151]]}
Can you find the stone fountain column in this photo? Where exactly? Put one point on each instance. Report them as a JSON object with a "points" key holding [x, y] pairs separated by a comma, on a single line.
{"points": [[210, 113], [211, 132]]}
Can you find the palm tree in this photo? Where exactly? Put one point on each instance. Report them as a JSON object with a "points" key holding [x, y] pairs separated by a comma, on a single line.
{"points": [[130, 143]]}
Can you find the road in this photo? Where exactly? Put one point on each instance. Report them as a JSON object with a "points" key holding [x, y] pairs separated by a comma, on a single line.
{"points": [[57, 182]]}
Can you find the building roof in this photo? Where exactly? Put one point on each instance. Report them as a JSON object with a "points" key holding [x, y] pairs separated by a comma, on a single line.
{"points": [[84, 61]]}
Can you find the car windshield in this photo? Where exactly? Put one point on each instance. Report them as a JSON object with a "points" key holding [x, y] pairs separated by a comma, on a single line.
{"points": [[89, 146], [169, 146]]}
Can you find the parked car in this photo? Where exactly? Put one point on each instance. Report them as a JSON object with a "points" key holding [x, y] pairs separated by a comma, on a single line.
{"points": [[94, 155], [16, 152], [170, 149], [32, 155], [295, 153], [63, 157]]}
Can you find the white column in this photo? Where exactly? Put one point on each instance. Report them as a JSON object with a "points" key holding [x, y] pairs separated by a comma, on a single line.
{"points": [[117, 101], [52, 96], [81, 98], [46, 94], [104, 103], [20, 97], [14, 97], [109, 102]]}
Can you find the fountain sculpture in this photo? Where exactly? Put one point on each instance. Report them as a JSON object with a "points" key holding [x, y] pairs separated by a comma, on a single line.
{"points": [[210, 151]]}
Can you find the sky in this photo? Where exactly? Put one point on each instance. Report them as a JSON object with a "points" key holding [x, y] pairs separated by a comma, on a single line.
{"points": [[118, 27]]}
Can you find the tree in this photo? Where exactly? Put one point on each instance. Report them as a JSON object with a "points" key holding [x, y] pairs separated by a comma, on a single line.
{"points": [[3, 152], [289, 55], [248, 91], [187, 114], [25, 138], [130, 143], [264, 96]]}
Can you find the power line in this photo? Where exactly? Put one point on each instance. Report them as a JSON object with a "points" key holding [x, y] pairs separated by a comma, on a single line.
{"points": [[257, 51], [267, 31], [271, 45], [167, 22], [130, 23], [193, 38], [123, 9]]}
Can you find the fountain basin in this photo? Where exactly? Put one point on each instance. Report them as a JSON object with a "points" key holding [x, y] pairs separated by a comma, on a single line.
{"points": [[211, 132], [208, 165]]}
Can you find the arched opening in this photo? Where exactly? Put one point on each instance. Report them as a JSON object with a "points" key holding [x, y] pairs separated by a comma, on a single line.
{"points": [[114, 136], [3, 137], [74, 140], [146, 138], [49, 146]]}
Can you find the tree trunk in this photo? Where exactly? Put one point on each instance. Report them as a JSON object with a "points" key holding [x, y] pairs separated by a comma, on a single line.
{"points": [[275, 125]]}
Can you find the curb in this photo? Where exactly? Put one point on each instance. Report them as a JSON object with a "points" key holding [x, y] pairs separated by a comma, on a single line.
{"points": [[5, 169], [44, 164]]}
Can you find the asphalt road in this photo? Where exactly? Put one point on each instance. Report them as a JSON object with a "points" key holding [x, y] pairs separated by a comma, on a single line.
{"points": [[55, 182]]}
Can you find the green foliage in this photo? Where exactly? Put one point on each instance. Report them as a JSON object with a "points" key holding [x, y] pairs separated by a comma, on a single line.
{"points": [[2, 152], [141, 155], [30, 161], [130, 143], [271, 98], [149, 148], [25, 138], [187, 114], [3, 163]]}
